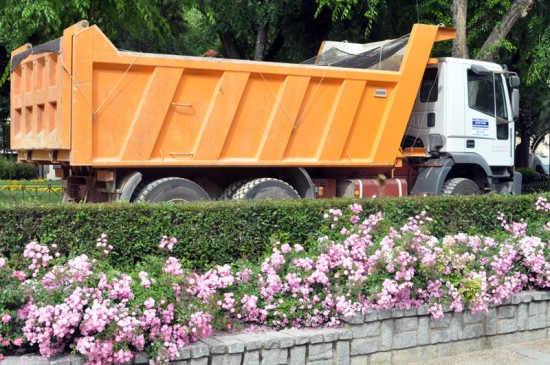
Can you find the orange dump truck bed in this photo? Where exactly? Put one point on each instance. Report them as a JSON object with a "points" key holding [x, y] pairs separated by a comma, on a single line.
{"points": [[79, 101]]}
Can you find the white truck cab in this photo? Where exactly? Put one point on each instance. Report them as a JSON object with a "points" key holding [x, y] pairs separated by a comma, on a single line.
{"points": [[464, 115]]}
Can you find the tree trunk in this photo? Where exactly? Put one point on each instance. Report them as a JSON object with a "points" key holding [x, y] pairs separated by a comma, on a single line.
{"points": [[261, 42], [519, 9], [525, 132], [275, 47], [460, 47], [230, 45]]}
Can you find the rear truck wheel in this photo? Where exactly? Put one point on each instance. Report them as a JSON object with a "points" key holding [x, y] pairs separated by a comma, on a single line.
{"points": [[460, 186], [172, 189], [266, 188], [230, 190]]}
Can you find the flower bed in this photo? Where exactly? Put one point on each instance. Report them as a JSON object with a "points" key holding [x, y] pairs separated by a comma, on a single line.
{"points": [[106, 315]]}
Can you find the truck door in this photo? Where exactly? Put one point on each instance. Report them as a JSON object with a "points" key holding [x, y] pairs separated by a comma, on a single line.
{"points": [[489, 128]]}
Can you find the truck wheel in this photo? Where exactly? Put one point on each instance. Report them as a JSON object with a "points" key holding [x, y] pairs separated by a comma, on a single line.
{"points": [[229, 191], [266, 188], [172, 189], [460, 186]]}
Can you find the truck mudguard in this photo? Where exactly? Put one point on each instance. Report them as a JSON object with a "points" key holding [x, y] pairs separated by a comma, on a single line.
{"points": [[472, 159], [431, 177]]}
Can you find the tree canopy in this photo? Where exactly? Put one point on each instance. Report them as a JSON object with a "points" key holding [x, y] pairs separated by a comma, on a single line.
{"points": [[515, 32]]}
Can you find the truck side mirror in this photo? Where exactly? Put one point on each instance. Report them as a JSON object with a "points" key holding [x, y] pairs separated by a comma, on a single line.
{"points": [[514, 81], [515, 103]]}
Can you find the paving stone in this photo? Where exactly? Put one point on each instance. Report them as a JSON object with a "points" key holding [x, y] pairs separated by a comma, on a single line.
{"points": [[537, 322], [536, 308], [371, 316], [321, 362], [251, 358], [423, 310], [460, 347], [507, 325], [423, 332], [199, 361], [362, 346], [397, 313], [198, 350], [491, 322], [404, 340], [419, 354], [274, 357], [278, 340], [179, 362], [25, 360], [332, 335], [300, 337], [251, 342], [297, 355], [456, 326], [366, 330], [343, 354], [216, 346], [381, 358], [507, 311], [141, 358], [440, 335], [386, 335], [443, 322], [468, 317], [406, 324], [184, 353], [360, 360], [357, 318], [321, 351], [345, 334], [227, 359], [522, 314], [234, 345], [473, 330]]}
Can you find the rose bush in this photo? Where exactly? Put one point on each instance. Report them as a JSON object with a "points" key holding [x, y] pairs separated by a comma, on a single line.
{"points": [[360, 264]]}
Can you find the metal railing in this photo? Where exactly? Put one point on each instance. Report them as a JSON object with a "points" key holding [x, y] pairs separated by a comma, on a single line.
{"points": [[43, 193], [536, 187]]}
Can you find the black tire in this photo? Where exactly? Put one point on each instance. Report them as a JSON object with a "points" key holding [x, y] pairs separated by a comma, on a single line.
{"points": [[172, 189], [142, 184], [460, 186], [229, 191], [266, 188]]}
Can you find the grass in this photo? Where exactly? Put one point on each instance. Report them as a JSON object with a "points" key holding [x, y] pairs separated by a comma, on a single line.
{"points": [[44, 191]]}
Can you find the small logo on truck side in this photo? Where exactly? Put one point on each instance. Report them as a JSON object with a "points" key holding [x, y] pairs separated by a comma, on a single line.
{"points": [[380, 93]]}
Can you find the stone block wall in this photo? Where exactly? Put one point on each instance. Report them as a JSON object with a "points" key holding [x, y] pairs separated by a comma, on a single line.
{"points": [[384, 337]]}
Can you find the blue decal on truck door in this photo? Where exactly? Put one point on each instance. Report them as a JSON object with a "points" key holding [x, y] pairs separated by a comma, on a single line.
{"points": [[480, 127]]}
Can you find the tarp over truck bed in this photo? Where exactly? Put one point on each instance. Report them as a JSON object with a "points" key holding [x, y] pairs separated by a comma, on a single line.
{"points": [[92, 105]]}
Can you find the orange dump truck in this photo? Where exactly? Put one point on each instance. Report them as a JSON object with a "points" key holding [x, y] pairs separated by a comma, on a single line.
{"points": [[128, 126]]}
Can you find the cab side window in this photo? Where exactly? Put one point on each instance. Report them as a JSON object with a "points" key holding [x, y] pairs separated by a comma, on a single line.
{"points": [[429, 86]]}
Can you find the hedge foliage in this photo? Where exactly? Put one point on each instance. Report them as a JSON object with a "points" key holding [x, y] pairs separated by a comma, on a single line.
{"points": [[11, 170], [222, 232]]}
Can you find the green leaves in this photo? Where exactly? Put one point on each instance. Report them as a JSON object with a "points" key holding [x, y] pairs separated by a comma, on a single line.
{"points": [[223, 232]]}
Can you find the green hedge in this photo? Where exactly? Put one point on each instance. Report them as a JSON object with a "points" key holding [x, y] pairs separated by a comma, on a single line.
{"points": [[221, 232], [11, 170]]}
